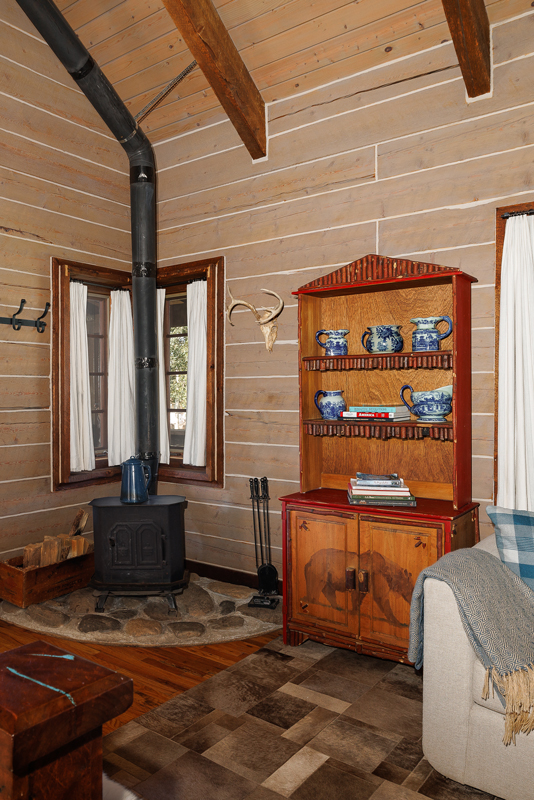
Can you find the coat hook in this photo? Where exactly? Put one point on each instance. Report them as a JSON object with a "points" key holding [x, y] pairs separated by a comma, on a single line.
{"points": [[16, 323], [42, 325]]}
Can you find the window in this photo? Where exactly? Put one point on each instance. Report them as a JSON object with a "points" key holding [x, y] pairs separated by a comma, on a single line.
{"points": [[100, 282], [174, 280]]}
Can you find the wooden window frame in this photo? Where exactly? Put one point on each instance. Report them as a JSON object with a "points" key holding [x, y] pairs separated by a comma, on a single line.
{"points": [[500, 228], [101, 277], [178, 276], [63, 272]]}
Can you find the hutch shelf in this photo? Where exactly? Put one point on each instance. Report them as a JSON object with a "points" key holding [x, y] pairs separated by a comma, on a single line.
{"points": [[349, 570]]}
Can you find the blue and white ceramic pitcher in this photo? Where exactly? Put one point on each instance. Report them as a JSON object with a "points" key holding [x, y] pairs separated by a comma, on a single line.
{"points": [[426, 336], [383, 339], [336, 344], [331, 404]]}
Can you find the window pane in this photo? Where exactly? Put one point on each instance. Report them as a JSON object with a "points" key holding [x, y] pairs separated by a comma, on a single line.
{"points": [[179, 348], [177, 432], [177, 314], [97, 340], [178, 391]]}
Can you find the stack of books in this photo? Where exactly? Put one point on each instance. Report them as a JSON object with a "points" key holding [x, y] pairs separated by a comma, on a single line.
{"points": [[393, 413], [379, 490]]}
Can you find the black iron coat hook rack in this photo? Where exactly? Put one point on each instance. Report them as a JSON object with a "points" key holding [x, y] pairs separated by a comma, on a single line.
{"points": [[32, 323]]}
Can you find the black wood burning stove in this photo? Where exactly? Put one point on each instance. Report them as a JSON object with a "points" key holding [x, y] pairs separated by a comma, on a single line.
{"points": [[139, 547]]}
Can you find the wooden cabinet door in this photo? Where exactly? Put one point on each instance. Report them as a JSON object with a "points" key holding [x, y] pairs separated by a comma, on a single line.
{"points": [[324, 565], [392, 554]]}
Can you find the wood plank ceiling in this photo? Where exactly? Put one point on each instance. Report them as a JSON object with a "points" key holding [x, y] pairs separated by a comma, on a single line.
{"points": [[288, 46]]}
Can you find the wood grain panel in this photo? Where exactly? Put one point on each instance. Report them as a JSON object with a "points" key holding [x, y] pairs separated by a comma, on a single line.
{"points": [[116, 17], [483, 477], [27, 263], [10, 299], [29, 495], [33, 158], [323, 249], [514, 39], [67, 105], [61, 231], [24, 359], [262, 426], [20, 48], [255, 360], [483, 394], [441, 229], [478, 260], [25, 393], [80, 12], [335, 172], [24, 427], [504, 131], [24, 120], [242, 557], [236, 490], [483, 307], [36, 193], [26, 461], [204, 143], [229, 523], [483, 351], [262, 394], [283, 462], [18, 531]]}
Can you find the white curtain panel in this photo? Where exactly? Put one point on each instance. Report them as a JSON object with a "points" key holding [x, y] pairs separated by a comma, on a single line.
{"points": [[515, 474], [195, 427], [121, 380], [82, 452], [164, 449]]}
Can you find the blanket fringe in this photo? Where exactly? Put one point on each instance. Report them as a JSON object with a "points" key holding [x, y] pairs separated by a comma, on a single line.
{"points": [[517, 688]]}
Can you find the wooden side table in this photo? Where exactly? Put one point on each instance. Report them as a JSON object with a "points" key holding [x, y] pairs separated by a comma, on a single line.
{"points": [[52, 707]]}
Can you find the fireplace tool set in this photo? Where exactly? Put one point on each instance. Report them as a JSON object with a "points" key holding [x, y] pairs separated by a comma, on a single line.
{"points": [[267, 574]]}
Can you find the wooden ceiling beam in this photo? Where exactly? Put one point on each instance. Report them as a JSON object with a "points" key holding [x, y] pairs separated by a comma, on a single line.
{"points": [[210, 44], [469, 26]]}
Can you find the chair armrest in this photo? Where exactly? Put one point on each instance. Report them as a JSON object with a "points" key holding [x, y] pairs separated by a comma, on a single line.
{"points": [[447, 681]]}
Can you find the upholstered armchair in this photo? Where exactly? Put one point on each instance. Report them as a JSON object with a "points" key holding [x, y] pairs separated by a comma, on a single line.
{"points": [[462, 734]]}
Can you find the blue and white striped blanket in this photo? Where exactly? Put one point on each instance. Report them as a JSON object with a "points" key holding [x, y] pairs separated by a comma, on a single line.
{"points": [[497, 612]]}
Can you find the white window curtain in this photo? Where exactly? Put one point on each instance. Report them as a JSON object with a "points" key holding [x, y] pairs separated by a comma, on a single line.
{"points": [[121, 389], [195, 426], [82, 452], [164, 449], [515, 472]]}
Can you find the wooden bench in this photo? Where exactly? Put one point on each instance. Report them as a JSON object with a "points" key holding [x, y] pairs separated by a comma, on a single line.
{"points": [[52, 707]]}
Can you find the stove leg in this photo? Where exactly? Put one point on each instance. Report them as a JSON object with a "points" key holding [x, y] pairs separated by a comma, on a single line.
{"points": [[173, 608], [101, 602]]}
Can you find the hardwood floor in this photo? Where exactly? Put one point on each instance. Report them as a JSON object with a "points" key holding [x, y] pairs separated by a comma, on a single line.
{"points": [[159, 673]]}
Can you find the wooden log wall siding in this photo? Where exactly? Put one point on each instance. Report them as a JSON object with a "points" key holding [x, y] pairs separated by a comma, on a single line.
{"points": [[392, 160], [372, 148], [64, 193]]}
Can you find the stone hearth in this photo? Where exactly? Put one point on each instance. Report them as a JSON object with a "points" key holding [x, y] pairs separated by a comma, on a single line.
{"points": [[208, 611]]}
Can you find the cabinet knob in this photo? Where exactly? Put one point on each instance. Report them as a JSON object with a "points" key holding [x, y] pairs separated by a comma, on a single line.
{"points": [[303, 605], [303, 526], [419, 542]]}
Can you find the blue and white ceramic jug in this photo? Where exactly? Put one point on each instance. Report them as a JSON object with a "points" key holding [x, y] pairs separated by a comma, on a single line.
{"points": [[331, 404], [383, 339], [426, 336], [336, 344], [430, 406]]}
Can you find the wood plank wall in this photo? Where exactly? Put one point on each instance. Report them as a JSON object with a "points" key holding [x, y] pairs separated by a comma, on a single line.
{"points": [[391, 160], [64, 193]]}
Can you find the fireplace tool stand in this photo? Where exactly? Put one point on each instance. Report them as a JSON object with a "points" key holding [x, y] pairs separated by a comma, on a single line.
{"points": [[267, 574]]}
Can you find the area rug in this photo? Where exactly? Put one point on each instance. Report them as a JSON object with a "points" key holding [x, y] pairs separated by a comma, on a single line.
{"points": [[115, 791], [208, 612], [307, 723]]}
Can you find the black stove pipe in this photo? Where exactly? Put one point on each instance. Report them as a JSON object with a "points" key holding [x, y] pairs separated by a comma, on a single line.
{"points": [[64, 42]]}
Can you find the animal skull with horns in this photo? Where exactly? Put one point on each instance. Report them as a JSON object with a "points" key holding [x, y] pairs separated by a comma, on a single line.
{"points": [[266, 320]]}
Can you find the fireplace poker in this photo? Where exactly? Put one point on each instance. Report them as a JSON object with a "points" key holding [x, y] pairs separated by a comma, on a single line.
{"points": [[267, 573]]}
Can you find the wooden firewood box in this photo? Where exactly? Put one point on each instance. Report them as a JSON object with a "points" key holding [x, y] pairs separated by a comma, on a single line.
{"points": [[24, 586]]}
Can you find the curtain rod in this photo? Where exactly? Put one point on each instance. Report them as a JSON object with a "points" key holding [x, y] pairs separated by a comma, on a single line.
{"points": [[517, 213]]}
